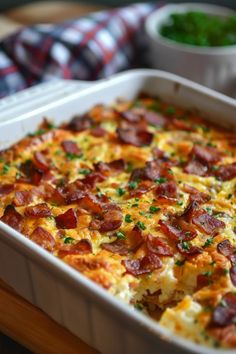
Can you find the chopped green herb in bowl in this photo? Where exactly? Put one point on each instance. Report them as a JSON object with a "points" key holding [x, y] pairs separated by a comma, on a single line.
{"points": [[200, 29]]}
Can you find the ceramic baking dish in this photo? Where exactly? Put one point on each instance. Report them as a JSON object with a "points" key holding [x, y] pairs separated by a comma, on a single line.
{"points": [[68, 297]]}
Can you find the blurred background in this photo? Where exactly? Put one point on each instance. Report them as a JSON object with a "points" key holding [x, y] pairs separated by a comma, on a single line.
{"points": [[7, 4]]}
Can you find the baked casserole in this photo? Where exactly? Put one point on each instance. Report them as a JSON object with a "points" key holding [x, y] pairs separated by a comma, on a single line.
{"points": [[140, 198]]}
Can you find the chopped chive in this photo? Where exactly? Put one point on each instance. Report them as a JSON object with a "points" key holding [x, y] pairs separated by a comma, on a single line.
{"points": [[179, 263], [84, 171], [170, 110], [38, 132], [153, 209], [120, 191], [128, 218], [215, 168], [208, 273], [226, 271], [185, 246], [141, 225], [129, 167], [18, 175], [208, 242], [5, 169], [209, 210], [69, 240], [120, 235], [160, 180], [133, 184], [139, 307], [71, 156]]}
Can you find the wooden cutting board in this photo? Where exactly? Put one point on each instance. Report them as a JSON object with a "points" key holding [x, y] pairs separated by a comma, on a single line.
{"points": [[32, 328]]}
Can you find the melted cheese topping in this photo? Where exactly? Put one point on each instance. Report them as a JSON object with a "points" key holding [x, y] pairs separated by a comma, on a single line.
{"points": [[170, 293]]}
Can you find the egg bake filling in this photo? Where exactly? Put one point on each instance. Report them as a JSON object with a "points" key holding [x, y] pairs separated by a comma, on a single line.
{"points": [[140, 198]]}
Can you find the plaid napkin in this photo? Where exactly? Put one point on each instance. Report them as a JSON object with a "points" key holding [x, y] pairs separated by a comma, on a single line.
{"points": [[87, 48]]}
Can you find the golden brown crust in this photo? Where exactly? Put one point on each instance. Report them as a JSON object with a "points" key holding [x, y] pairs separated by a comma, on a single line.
{"points": [[136, 196]]}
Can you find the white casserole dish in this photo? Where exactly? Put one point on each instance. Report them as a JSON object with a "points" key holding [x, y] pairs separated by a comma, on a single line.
{"points": [[72, 300]]}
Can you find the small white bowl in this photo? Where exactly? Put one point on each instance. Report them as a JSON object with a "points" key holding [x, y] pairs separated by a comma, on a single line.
{"points": [[214, 67]]}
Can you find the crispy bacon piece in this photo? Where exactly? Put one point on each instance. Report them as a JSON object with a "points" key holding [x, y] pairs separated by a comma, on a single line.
{"points": [[133, 267], [181, 125], [92, 179], [207, 155], [150, 262], [142, 266], [189, 211], [54, 195], [74, 196], [195, 167], [135, 238], [196, 195], [167, 190], [70, 147], [134, 137], [117, 165], [157, 246], [159, 155], [98, 132], [89, 202], [143, 187], [117, 246], [113, 167], [22, 198], [80, 123], [12, 218], [202, 280], [202, 158], [153, 170], [131, 116], [6, 189], [154, 118], [43, 238], [207, 223], [67, 220], [41, 210], [226, 172], [225, 248], [137, 174], [81, 247], [176, 233], [225, 312], [225, 335], [191, 251], [109, 220], [232, 273], [112, 218], [31, 173], [40, 161]]}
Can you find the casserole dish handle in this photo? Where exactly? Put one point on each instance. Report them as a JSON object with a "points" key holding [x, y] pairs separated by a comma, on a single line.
{"points": [[35, 97]]}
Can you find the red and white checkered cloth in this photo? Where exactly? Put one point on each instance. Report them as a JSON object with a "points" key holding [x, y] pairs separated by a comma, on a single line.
{"points": [[87, 48]]}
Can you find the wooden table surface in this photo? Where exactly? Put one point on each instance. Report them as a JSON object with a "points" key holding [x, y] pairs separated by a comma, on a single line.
{"points": [[32, 328], [20, 320]]}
